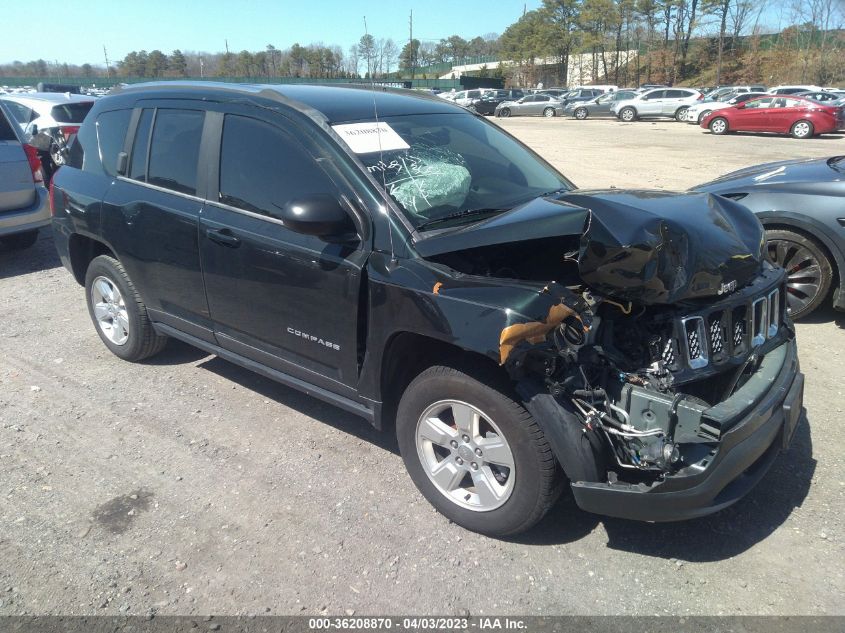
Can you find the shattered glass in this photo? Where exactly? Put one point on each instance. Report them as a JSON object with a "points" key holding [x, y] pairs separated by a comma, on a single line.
{"points": [[424, 178]]}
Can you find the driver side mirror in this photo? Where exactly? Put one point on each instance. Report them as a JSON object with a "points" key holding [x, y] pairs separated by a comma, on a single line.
{"points": [[740, 106], [321, 215]]}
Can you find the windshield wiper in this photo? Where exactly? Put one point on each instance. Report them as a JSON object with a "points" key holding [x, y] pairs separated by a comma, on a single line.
{"points": [[466, 213], [552, 193]]}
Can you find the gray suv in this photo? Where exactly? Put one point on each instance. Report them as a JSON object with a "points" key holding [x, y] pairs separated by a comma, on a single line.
{"points": [[23, 199], [664, 102]]}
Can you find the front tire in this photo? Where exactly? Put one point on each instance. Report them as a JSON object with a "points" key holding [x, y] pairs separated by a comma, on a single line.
{"points": [[19, 241], [549, 112], [628, 115], [809, 272], [802, 129], [581, 114], [703, 115], [718, 126], [504, 113], [118, 312], [474, 452]]}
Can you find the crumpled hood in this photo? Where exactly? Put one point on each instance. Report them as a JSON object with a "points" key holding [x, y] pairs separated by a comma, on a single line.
{"points": [[657, 247], [771, 174], [644, 246]]}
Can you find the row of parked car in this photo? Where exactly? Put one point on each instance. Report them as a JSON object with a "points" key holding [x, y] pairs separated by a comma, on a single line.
{"points": [[802, 111]]}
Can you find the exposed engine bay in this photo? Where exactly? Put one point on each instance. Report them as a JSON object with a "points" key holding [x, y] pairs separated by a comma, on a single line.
{"points": [[655, 319]]}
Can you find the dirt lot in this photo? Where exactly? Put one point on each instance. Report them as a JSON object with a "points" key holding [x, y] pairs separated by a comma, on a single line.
{"points": [[187, 485]]}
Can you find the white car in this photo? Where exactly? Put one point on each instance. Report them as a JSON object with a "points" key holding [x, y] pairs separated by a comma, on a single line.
{"points": [[47, 110], [50, 112], [695, 113], [660, 102], [791, 90]]}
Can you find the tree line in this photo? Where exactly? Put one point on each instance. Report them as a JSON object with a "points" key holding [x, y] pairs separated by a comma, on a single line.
{"points": [[676, 41]]}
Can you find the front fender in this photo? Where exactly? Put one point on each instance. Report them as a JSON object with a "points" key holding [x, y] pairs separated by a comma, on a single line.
{"points": [[488, 316]]}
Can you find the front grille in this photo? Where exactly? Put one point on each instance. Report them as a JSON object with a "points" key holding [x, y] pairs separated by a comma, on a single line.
{"points": [[696, 341]]}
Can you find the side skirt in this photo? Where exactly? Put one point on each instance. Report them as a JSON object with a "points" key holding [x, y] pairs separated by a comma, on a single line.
{"points": [[369, 413]]}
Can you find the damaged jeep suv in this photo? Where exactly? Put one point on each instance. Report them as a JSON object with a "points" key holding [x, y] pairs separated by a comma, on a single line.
{"points": [[405, 260]]}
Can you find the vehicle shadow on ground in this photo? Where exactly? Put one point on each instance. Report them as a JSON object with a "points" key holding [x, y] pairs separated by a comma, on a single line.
{"points": [[299, 401], [825, 314], [717, 537], [41, 256]]}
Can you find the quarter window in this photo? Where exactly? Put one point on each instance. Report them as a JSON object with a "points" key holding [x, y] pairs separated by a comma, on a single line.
{"points": [[111, 133], [262, 168]]}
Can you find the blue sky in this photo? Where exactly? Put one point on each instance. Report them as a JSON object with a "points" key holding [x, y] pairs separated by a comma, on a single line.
{"points": [[249, 24]]}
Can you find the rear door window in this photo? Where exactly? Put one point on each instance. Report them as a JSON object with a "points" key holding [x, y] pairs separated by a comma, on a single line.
{"points": [[6, 131], [174, 150], [138, 164], [20, 112]]}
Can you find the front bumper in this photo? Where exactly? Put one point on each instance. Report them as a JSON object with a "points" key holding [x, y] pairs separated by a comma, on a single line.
{"points": [[33, 217], [762, 417]]}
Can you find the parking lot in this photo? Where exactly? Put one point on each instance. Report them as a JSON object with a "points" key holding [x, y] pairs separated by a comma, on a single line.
{"points": [[188, 485]]}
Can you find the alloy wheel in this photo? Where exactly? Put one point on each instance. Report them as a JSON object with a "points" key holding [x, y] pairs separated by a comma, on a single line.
{"points": [[801, 129], [803, 272], [581, 113], [110, 310], [718, 126], [465, 455]]}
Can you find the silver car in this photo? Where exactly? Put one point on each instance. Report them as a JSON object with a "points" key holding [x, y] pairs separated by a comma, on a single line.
{"points": [[24, 204], [661, 102], [531, 105]]}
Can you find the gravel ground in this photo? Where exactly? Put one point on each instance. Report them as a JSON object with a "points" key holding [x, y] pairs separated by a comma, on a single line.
{"points": [[187, 485]]}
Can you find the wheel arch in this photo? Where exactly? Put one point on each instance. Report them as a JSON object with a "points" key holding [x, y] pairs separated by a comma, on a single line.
{"points": [[82, 249], [809, 229], [407, 354]]}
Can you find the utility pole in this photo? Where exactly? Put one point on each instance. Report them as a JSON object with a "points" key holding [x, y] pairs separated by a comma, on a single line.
{"points": [[411, 45], [108, 69], [369, 51]]}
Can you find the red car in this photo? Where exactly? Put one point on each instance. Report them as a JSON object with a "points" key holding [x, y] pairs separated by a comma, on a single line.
{"points": [[800, 117]]}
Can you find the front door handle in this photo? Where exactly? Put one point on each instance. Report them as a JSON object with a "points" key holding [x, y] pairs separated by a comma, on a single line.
{"points": [[223, 237]]}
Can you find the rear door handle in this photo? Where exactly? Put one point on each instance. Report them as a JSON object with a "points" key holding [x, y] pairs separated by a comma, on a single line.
{"points": [[223, 237]]}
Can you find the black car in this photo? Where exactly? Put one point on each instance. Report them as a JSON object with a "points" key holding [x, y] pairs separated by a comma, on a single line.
{"points": [[406, 260], [801, 203], [488, 101]]}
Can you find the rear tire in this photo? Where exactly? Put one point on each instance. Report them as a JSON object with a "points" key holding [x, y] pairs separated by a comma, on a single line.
{"points": [[628, 115], [433, 405], [680, 112], [719, 126], [581, 114], [118, 312], [802, 129], [19, 241], [549, 112]]}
